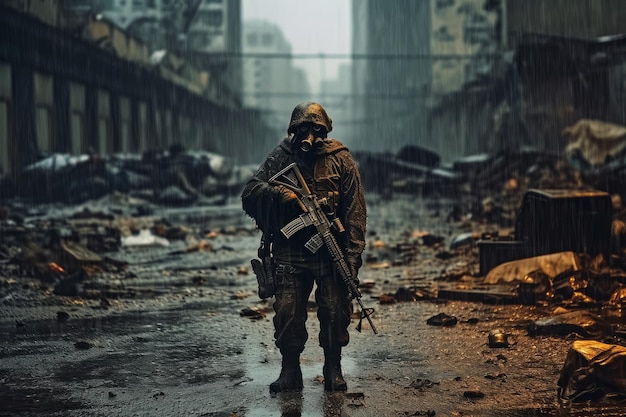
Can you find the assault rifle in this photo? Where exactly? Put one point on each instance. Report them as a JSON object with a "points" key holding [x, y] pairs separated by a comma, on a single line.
{"points": [[318, 213]]}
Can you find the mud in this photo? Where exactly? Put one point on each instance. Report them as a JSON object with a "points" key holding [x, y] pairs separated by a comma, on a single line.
{"points": [[189, 348]]}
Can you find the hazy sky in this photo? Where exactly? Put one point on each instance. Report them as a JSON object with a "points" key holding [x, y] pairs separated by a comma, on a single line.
{"points": [[311, 26]]}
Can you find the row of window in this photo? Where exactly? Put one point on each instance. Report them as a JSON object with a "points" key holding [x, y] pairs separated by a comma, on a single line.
{"points": [[259, 39], [166, 128]]}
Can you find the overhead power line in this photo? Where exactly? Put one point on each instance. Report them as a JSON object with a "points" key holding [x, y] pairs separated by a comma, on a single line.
{"points": [[373, 57], [392, 96]]}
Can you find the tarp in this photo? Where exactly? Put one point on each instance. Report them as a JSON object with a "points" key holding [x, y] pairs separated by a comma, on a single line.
{"points": [[595, 141], [552, 265], [592, 370]]}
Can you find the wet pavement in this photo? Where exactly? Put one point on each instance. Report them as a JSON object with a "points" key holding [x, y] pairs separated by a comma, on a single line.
{"points": [[192, 351]]}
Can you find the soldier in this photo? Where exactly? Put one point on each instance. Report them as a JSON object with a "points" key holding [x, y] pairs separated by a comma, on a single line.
{"points": [[331, 173]]}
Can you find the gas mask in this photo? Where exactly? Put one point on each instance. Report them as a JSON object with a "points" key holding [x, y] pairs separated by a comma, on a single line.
{"points": [[309, 135]]}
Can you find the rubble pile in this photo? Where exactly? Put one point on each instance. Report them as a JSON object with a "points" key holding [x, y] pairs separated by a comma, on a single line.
{"points": [[479, 199], [174, 176], [76, 256]]}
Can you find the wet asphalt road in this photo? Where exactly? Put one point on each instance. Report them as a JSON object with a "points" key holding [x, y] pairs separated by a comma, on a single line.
{"points": [[191, 352]]}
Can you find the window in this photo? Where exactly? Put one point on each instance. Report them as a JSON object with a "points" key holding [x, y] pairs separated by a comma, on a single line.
{"points": [[5, 161], [251, 39], [195, 39], [267, 39], [43, 101], [184, 131], [105, 144], [143, 126], [5, 133], [158, 126], [168, 139], [5, 81], [125, 134], [212, 18], [77, 118], [100, 5]]}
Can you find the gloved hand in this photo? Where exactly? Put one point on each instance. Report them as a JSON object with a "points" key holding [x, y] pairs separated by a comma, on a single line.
{"points": [[285, 194]]}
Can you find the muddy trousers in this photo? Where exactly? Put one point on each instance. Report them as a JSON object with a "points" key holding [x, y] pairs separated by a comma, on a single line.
{"points": [[295, 277]]}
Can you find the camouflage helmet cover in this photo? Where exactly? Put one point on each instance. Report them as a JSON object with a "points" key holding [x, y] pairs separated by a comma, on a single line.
{"points": [[309, 112]]}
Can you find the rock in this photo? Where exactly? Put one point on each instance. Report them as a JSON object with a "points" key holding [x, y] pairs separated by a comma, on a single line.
{"points": [[82, 345], [62, 316], [442, 319], [474, 394]]}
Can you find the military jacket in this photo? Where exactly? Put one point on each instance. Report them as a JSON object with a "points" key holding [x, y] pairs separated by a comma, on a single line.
{"points": [[330, 172]]}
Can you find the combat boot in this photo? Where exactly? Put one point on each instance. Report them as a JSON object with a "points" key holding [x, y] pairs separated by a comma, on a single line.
{"points": [[333, 378], [290, 378]]}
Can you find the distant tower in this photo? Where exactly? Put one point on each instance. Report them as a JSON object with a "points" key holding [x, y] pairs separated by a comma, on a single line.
{"points": [[214, 40], [392, 93], [272, 84]]}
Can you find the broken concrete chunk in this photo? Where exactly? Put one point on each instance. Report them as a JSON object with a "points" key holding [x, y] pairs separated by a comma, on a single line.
{"points": [[442, 319], [145, 238]]}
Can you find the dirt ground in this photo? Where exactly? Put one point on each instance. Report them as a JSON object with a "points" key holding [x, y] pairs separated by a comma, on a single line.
{"points": [[197, 341]]}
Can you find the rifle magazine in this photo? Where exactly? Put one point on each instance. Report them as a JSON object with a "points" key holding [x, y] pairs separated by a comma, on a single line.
{"points": [[315, 243], [295, 225]]}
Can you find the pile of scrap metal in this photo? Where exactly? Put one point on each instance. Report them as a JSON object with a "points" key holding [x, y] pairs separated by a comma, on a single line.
{"points": [[487, 185], [594, 158], [564, 249], [175, 176], [495, 183]]}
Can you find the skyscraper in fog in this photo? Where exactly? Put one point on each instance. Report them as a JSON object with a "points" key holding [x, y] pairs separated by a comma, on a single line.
{"points": [[271, 82]]}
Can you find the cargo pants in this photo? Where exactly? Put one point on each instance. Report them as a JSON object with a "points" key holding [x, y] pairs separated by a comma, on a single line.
{"points": [[296, 273]]}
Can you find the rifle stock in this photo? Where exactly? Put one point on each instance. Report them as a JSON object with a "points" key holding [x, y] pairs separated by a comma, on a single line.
{"points": [[314, 214]]}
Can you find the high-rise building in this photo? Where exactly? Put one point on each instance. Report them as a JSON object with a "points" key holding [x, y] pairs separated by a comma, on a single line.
{"points": [[213, 40], [408, 55], [468, 76], [271, 82], [391, 75], [336, 96]]}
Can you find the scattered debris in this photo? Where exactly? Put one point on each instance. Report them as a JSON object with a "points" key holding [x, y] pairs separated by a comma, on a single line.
{"points": [[473, 394], [583, 323], [498, 339], [442, 319], [592, 371], [82, 345]]}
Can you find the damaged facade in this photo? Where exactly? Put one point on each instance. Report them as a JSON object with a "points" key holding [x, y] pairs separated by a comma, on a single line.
{"points": [[550, 65], [79, 86], [478, 76]]}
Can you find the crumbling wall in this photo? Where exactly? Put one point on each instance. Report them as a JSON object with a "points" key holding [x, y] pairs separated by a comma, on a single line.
{"points": [[584, 19]]}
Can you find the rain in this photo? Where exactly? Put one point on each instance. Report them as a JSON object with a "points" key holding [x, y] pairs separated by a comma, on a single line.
{"points": [[490, 138]]}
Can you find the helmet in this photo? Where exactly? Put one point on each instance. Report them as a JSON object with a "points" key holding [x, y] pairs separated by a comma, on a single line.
{"points": [[309, 112]]}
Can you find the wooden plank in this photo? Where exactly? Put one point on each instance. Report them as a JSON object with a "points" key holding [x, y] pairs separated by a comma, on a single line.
{"points": [[492, 294]]}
